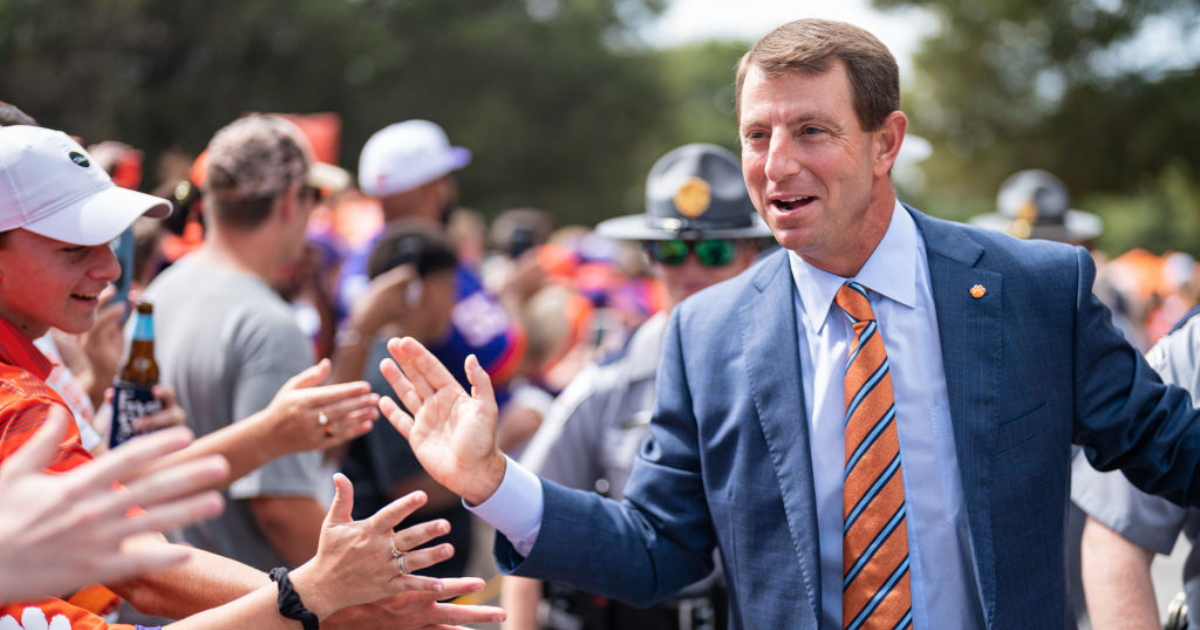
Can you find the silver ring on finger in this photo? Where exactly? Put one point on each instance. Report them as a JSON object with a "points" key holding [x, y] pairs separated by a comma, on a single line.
{"points": [[323, 422], [400, 563]]}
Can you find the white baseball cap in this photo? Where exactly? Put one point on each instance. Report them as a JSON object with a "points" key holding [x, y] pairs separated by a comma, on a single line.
{"points": [[49, 185], [405, 155]]}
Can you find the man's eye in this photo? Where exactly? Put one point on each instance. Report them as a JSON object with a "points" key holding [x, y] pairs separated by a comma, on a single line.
{"points": [[810, 131]]}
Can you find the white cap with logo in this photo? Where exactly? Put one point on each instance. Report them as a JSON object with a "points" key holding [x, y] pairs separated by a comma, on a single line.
{"points": [[49, 185], [405, 155]]}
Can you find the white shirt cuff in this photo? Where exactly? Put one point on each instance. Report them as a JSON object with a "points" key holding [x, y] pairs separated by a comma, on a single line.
{"points": [[515, 509]]}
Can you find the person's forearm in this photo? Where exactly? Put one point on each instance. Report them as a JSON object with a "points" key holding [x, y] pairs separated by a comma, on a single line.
{"points": [[292, 525], [1116, 581], [205, 581], [257, 610], [520, 599], [350, 354], [260, 609], [243, 444]]}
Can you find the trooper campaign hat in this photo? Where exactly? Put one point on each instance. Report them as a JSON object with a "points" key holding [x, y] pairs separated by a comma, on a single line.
{"points": [[1036, 204], [694, 192]]}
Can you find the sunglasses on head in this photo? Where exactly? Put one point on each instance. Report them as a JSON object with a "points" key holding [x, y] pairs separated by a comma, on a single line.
{"points": [[710, 253]]}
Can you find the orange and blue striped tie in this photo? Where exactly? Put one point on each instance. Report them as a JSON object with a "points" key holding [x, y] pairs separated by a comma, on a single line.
{"points": [[875, 587]]}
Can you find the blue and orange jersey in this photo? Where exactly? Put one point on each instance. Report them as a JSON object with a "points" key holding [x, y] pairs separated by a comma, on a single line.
{"points": [[480, 325]]}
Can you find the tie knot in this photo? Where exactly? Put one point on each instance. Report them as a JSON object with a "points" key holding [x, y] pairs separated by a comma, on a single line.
{"points": [[852, 298]]}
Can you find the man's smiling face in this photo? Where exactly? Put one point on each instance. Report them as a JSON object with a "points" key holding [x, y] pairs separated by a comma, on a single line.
{"points": [[48, 283], [813, 173]]}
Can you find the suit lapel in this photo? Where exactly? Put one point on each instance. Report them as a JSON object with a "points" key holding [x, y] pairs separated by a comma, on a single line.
{"points": [[970, 331], [771, 344]]}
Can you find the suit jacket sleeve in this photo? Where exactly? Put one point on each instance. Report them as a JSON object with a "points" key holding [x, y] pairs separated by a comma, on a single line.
{"points": [[1126, 417], [655, 542]]}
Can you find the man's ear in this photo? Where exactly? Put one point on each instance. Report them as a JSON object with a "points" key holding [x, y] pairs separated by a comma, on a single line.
{"points": [[888, 139], [286, 205]]}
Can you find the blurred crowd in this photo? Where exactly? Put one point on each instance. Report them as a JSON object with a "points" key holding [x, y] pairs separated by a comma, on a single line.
{"points": [[278, 279]]}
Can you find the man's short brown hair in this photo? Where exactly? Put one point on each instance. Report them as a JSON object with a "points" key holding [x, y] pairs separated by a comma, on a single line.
{"points": [[812, 46], [253, 162]]}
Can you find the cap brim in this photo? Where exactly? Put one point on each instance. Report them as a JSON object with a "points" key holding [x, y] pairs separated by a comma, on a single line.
{"points": [[459, 157], [637, 227], [328, 177], [1077, 226], [993, 221], [100, 217]]}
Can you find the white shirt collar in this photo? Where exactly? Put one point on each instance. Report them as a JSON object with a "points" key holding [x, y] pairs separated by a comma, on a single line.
{"points": [[890, 271]]}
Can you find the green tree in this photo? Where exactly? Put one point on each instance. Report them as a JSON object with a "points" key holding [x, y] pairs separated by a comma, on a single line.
{"points": [[561, 105], [1078, 87]]}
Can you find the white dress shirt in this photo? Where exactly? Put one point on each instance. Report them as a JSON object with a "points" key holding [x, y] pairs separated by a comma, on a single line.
{"points": [[944, 588]]}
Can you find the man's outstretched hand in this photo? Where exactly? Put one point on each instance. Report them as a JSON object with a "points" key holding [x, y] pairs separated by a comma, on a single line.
{"points": [[453, 434]]}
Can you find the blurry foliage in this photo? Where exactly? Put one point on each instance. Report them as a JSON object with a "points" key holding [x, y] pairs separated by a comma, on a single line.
{"points": [[566, 108], [562, 104], [1164, 211], [1070, 86]]}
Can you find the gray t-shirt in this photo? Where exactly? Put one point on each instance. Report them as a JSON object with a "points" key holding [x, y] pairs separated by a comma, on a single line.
{"points": [[1151, 522], [226, 342]]}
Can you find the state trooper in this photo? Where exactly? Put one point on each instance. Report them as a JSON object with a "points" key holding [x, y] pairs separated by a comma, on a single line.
{"points": [[699, 229]]}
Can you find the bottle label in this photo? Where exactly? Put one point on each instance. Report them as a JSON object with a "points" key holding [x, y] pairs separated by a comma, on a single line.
{"points": [[130, 401], [143, 328]]}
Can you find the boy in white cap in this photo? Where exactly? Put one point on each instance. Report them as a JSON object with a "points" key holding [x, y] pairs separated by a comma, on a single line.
{"points": [[58, 211]]}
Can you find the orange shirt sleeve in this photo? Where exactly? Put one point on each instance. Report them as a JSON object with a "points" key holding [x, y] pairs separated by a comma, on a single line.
{"points": [[21, 418]]}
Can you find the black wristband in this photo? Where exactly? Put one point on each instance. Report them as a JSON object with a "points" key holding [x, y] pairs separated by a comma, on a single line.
{"points": [[290, 605]]}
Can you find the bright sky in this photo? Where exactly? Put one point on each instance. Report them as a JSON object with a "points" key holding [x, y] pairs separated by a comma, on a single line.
{"points": [[1165, 42], [692, 20]]}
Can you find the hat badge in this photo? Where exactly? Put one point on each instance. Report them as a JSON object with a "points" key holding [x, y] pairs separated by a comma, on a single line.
{"points": [[693, 197], [1027, 215]]}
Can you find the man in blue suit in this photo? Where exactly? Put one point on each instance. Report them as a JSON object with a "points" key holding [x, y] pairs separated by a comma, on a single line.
{"points": [[997, 359]]}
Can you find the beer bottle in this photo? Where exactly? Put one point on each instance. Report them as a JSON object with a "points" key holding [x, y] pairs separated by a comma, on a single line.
{"points": [[132, 392]]}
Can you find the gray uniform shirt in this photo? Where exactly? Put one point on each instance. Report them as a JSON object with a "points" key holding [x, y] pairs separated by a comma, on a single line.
{"points": [[1148, 521], [226, 342], [595, 428]]}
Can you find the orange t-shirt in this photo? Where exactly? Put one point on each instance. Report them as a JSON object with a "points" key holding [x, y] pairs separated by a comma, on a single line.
{"points": [[25, 402]]}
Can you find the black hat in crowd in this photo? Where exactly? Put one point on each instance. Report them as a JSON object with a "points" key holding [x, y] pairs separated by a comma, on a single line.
{"points": [[693, 192]]}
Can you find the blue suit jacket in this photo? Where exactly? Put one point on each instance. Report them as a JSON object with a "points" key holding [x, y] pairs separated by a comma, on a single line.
{"points": [[1031, 367]]}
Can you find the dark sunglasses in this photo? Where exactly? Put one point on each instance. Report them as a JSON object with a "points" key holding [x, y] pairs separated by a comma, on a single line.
{"points": [[311, 193], [710, 253]]}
